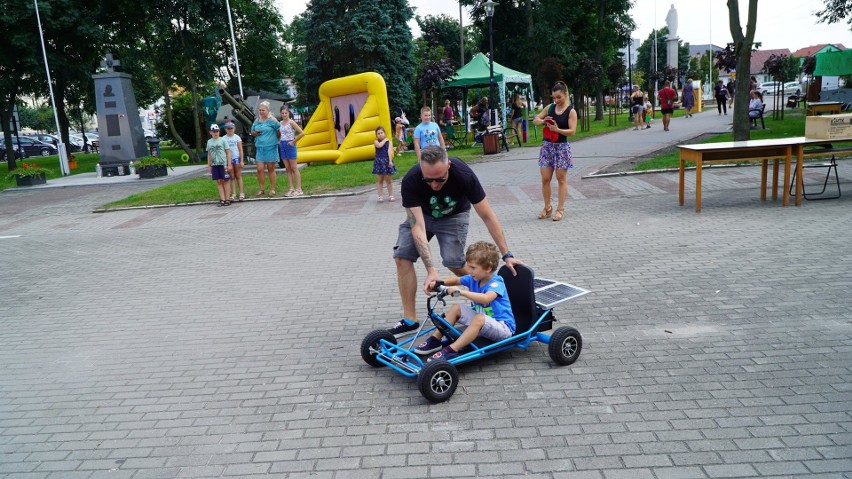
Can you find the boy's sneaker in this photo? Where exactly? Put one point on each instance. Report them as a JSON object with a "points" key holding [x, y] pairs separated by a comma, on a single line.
{"points": [[445, 354], [404, 327], [431, 345]]}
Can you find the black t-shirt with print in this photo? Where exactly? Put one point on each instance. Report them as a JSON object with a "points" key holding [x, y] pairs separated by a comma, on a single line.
{"points": [[460, 191]]}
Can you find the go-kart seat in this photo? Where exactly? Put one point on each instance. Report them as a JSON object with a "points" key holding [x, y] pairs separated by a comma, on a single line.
{"points": [[521, 295]]}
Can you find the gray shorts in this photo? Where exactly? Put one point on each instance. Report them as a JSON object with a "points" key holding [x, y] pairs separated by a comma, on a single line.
{"points": [[492, 329], [451, 233]]}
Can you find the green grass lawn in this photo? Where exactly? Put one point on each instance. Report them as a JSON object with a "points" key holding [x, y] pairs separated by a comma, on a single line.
{"points": [[792, 125]]}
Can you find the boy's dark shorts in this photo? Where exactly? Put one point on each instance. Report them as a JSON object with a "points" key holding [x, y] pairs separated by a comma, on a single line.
{"points": [[217, 172]]}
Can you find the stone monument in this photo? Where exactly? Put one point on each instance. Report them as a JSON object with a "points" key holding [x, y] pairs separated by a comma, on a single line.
{"points": [[120, 133], [672, 41]]}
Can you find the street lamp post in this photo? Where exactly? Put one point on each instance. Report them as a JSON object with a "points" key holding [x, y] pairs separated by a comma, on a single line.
{"points": [[489, 12], [629, 74], [63, 153]]}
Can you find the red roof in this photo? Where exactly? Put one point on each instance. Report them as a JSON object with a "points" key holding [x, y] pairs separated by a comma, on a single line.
{"points": [[759, 57], [809, 51]]}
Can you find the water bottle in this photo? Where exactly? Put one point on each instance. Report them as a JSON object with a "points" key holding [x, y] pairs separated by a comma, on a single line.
{"points": [[98, 170], [132, 169]]}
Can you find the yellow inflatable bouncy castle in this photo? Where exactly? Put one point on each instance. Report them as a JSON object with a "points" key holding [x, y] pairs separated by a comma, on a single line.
{"points": [[343, 128]]}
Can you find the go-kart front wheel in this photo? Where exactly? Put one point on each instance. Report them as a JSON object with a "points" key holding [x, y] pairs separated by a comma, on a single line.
{"points": [[565, 345], [370, 346], [438, 380]]}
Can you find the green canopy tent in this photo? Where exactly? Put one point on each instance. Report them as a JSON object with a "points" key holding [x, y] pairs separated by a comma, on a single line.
{"points": [[476, 74], [830, 64]]}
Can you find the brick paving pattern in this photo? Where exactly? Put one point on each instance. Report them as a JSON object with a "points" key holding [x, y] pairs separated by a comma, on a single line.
{"points": [[223, 342]]}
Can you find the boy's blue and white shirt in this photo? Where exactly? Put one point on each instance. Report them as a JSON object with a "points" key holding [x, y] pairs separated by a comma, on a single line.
{"points": [[499, 309]]}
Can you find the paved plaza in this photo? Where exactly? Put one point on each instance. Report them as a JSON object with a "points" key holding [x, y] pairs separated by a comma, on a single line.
{"points": [[224, 342]]}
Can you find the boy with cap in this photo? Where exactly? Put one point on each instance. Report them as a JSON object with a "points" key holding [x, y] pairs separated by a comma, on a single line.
{"points": [[219, 163]]}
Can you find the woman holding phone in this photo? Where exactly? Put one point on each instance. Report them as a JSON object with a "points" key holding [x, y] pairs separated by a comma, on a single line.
{"points": [[560, 121]]}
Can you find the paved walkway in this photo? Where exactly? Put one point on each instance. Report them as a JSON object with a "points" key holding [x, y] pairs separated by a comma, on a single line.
{"points": [[206, 342]]}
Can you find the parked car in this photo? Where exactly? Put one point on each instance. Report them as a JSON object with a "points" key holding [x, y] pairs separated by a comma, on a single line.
{"points": [[30, 147], [767, 88], [149, 133], [792, 88], [77, 140], [71, 147]]}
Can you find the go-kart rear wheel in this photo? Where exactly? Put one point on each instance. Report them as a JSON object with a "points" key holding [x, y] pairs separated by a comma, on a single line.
{"points": [[370, 345], [565, 345], [438, 380]]}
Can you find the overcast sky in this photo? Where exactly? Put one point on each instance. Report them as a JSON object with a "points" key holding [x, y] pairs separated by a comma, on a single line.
{"points": [[780, 23]]}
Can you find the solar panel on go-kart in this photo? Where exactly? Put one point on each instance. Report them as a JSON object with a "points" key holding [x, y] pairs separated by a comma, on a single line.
{"points": [[549, 293]]}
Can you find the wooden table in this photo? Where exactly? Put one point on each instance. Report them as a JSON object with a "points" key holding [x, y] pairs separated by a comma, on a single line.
{"points": [[830, 107], [752, 150]]}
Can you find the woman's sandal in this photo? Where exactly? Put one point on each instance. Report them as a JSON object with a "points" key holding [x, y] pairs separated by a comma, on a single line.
{"points": [[260, 193], [559, 214], [545, 213], [242, 197]]}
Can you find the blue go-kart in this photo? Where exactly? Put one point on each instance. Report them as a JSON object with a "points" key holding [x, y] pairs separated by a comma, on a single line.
{"points": [[532, 302]]}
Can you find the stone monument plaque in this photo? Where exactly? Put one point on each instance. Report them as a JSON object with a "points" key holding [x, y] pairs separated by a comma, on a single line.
{"points": [[121, 137]]}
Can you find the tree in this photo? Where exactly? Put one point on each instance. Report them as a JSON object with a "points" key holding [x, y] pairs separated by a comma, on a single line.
{"points": [[39, 118], [19, 64], [742, 46], [69, 28], [294, 53], [184, 45], [354, 36], [726, 58], [264, 57], [835, 10], [443, 30], [777, 67], [433, 71]]}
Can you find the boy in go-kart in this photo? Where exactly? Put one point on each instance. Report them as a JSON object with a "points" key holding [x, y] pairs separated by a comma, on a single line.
{"points": [[489, 314]]}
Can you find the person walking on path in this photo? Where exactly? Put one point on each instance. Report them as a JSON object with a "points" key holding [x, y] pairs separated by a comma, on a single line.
{"points": [[438, 193], [721, 94], [560, 120], [266, 132], [668, 97], [637, 104], [732, 90], [517, 116], [688, 96]]}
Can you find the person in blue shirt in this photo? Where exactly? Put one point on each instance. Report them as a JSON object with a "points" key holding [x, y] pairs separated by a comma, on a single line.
{"points": [[266, 132], [489, 314], [427, 132]]}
